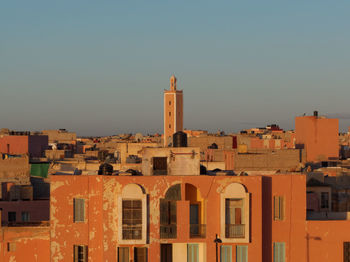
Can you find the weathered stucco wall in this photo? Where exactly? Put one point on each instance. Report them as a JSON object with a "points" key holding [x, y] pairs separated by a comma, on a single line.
{"points": [[31, 244], [59, 136], [304, 240], [283, 160], [15, 170], [223, 142], [100, 230], [180, 160]]}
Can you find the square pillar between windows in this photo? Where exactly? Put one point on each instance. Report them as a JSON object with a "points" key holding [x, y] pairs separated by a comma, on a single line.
{"points": [[183, 219]]}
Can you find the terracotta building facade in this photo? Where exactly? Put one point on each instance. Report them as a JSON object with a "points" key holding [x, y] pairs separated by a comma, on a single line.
{"points": [[319, 136], [132, 218], [33, 145], [177, 219]]}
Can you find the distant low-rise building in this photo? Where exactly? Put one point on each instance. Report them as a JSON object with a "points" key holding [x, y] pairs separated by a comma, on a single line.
{"points": [[281, 160], [18, 143], [60, 136], [319, 136]]}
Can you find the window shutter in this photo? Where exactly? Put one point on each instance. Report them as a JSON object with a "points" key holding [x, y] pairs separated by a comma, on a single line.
{"points": [[244, 253], [276, 205], [279, 252], [172, 212], [227, 211], [282, 252], [196, 253], [167, 212], [241, 253], [75, 203], [226, 254], [189, 253], [85, 253], [223, 255], [192, 252], [82, 210], [166, 253], [76, 251], [281, 208], [79, 210], [123, 254], [278, 208], [164, 218], [346, 250]]}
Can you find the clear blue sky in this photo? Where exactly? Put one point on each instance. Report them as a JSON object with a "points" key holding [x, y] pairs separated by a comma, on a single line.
{"points": [[100, 67]]}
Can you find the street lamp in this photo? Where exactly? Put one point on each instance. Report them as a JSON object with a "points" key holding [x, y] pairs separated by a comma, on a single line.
{"points": [[217, 241], [308, 237]]}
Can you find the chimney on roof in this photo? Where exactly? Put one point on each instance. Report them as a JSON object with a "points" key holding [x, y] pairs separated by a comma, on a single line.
{"points": [[315, 113]]}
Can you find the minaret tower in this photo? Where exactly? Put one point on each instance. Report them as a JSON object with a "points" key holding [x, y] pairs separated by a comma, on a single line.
{"points": [[173, 111]]}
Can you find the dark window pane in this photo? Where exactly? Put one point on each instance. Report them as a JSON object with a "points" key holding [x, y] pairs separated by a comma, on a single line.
{"points": [[140, 254]]}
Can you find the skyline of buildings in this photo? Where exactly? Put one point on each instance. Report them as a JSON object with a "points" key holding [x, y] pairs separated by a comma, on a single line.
{"points": [[243, 157], [263, 194], [232, 124]]}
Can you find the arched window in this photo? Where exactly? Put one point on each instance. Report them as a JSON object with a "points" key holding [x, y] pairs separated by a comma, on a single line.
{"points": [[235, 214], [132, 210], [173, 193], [168, 214]]}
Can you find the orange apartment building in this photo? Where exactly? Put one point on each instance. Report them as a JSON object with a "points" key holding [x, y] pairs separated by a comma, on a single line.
{"points": [[20, 143], [127, 218], [132, 218], [173, 217], [319, 136], [257, 218]]}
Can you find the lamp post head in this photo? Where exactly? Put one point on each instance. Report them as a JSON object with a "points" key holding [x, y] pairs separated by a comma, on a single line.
{"points": [[217, 240]]}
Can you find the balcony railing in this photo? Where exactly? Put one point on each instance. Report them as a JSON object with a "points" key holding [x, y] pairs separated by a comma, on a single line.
{"points": [[234, 231], [132, 232], [197, 230], [168, 231]]}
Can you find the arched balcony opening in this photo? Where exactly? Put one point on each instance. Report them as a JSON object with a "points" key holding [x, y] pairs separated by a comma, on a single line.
{"points": [[197, 211], [235, 214], [168, 212]]}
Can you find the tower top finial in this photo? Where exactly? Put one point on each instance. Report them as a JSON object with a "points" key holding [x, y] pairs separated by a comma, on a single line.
{"points": [[173, 83]]}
